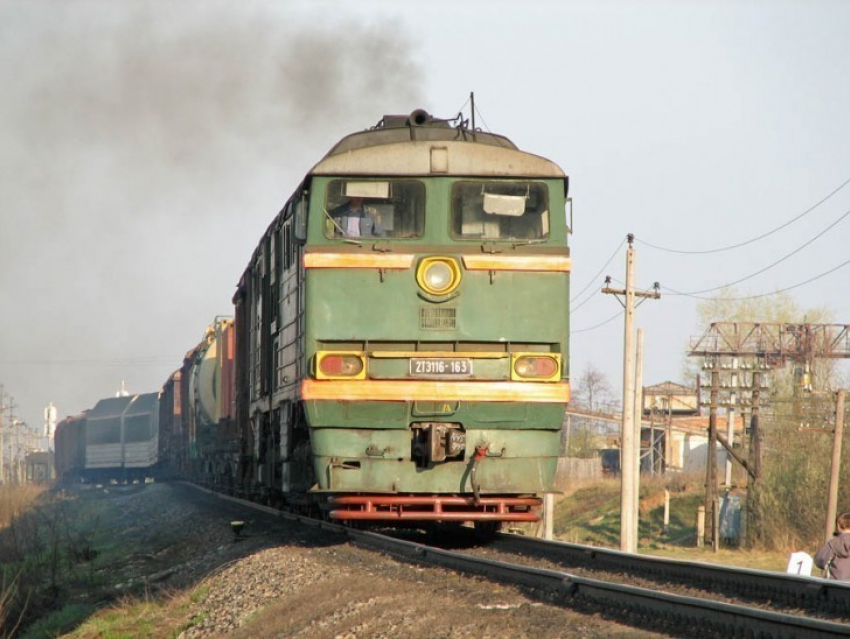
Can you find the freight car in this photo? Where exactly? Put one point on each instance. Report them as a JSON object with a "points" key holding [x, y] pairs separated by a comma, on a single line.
{"points": [[198, 436], [117, 440], [402, 331], [69, 442]]}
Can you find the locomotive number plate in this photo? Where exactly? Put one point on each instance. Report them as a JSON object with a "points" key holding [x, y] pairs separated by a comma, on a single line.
{"points": [[431, 366]]}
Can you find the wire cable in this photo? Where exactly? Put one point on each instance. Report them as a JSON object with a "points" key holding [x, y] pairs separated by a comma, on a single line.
{"points": [[600, 325], [750, 241], [770, 266], [481, 117], [598, 273], [463, 106], [753, 297]]}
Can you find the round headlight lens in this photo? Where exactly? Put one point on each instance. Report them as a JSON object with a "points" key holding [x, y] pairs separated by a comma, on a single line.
{"points": [[438, 276]]}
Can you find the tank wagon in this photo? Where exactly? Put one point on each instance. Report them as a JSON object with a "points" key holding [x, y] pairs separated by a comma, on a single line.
{"points": [[402, 330], [198, 433]]}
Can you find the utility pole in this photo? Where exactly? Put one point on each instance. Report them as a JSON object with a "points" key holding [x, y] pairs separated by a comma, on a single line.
{"points": [[629, 469], [730, 421], [753, 506], [2, 435], [638, 404], [13, 433], [711, 463], [835, 468], [50, 414]]}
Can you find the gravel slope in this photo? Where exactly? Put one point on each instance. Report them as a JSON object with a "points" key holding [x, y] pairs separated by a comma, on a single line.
{"points": [[283, 579]]}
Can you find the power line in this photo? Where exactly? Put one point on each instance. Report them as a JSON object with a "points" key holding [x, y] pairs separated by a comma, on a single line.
{"points": [[601, 324], [770, 266], [755, 239], [593, 279], [752, 297]]}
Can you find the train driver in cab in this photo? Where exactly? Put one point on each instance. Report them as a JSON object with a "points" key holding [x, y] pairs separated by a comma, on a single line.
{"points": [[355, 219]]}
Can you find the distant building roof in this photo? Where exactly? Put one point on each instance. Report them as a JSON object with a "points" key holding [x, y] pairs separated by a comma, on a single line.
{"points": [[669, 388]]}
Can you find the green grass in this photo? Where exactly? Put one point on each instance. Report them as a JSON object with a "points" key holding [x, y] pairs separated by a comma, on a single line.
{"points": [[59, 622], [591, 515], [133, 617]]}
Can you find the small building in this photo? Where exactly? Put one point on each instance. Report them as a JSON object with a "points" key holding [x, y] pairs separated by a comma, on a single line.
{"points": [[670, 398], [688, 444], [40, 467]]}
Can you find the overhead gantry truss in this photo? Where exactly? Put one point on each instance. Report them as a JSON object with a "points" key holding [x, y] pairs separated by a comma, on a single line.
{"points": [[774, 343]]}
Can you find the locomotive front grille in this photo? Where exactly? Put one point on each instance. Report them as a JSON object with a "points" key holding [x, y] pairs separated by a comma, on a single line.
{"points": [[437, 319]]}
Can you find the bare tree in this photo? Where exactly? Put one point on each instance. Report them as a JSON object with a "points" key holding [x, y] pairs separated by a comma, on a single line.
{"points": [[593, 389]]}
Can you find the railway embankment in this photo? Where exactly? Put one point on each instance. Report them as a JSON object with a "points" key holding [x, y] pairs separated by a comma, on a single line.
{"points": [[163, 560]]}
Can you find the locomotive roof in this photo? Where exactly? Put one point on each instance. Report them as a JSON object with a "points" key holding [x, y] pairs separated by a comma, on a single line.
{"points": [[418, 126], [402, 145]]}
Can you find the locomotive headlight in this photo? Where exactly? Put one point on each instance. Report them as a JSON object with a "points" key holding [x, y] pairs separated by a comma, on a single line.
{"points": [[438, 275], [536, 366], [340, 365]]}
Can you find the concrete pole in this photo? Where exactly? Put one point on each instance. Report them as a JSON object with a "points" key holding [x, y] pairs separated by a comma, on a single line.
{"points": [[711, 459], [730, 437], [744, 533], [2, 437], [730, 421], [835, 466], [548, 516], [627, 435], [638, 418], [700, 525], [753, 520]]}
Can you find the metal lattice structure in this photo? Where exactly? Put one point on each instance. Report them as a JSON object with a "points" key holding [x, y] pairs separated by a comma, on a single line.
{"points": [[771, 345], [774, 343]]}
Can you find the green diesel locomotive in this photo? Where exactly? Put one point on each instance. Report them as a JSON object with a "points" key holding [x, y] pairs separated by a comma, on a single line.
{"points": [[402, 330]]}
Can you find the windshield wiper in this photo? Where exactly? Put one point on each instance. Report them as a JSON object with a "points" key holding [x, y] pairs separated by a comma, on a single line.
{"points": [[528, 242]]}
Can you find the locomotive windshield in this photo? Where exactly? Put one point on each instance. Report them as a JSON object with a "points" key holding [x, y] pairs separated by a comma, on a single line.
{"points": [[500, 210], [375, 208]]}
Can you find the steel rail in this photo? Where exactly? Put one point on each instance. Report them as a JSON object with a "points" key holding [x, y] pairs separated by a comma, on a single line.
{"points": [[677, 612], [811, 593]]}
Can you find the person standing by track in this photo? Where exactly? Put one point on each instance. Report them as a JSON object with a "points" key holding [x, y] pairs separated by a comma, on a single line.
{"points": [[834, 555]]}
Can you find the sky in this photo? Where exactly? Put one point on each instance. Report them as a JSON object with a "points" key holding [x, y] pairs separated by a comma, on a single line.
{"points": [[146, 145]]}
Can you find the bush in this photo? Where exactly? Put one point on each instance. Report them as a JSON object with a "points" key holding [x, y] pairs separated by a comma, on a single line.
{"points": [[789, 509]]}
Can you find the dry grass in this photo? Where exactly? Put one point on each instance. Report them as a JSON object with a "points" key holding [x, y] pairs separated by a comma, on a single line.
{"points": [[15, 500]]}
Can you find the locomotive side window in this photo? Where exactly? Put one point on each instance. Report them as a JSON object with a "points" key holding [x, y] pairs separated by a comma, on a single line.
{"points": [[500, 210], [377, 208]]}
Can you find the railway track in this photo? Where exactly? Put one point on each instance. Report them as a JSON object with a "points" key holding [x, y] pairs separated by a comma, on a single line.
{"points": [[652, 608], [815, 596]]}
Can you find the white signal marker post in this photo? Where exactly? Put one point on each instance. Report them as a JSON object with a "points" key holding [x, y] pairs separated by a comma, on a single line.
{"points": [[629, 442]]}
